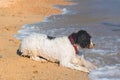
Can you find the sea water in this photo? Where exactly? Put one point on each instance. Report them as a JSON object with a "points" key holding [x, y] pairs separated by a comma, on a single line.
{"points": [[101, 18]]}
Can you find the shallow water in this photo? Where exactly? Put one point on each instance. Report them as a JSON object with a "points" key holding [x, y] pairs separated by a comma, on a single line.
{"points": [[101, 19]]}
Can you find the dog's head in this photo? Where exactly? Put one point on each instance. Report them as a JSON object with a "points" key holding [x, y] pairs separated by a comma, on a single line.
{"points": [[83, 39]]}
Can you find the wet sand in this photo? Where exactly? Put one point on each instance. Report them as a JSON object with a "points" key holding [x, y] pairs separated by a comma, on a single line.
{"points": [[14, 14]]}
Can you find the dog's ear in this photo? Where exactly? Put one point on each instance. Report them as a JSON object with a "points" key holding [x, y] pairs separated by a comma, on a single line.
{"points": [[75, 37]]}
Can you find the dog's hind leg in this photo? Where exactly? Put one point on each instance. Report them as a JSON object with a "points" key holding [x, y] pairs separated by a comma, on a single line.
{"points": [[35, 57], [46, 57]]}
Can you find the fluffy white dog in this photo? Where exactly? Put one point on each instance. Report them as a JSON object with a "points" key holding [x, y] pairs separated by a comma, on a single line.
{"points": [[41, 47]]}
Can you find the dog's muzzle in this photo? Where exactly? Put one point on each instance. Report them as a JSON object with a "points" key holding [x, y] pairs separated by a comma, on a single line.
{"points": [[91, 45]]}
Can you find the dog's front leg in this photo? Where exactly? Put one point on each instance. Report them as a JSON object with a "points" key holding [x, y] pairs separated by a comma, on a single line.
{"points": [[77, 60], [87, 64], [74, 66]]}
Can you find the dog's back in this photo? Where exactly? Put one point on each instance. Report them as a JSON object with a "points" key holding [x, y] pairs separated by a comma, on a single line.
{"points": [[44, 45]]}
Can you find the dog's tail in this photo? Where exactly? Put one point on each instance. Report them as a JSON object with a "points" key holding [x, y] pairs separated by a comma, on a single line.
{"points": [[19, 52]]}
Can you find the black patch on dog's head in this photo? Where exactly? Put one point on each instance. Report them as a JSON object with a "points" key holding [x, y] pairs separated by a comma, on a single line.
{"points": [[51, 37], [82, 38]]}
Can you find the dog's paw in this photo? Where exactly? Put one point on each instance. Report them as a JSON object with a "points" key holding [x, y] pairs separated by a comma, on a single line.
{"points": [[43, 61], [38, 59], [86, 70], [83, 69]]}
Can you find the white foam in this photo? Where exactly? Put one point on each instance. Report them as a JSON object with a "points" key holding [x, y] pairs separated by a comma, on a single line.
{"points": [[65, 11], [103, 52], [106, 73]]}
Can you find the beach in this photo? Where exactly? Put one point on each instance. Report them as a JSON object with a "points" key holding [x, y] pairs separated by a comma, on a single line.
{"points": [[13, 15]]}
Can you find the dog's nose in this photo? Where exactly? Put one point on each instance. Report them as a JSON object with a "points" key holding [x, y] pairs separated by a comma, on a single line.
{"points": [[93, 44]]}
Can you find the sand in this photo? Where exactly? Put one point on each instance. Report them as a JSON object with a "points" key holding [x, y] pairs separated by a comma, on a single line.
{"points": [[14, 14]]}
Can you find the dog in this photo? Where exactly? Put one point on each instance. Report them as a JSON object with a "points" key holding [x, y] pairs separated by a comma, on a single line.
{"points": [[64, 50]]}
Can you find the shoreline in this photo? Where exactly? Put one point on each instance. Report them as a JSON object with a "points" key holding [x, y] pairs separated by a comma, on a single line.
{"points": [[13, 15]]}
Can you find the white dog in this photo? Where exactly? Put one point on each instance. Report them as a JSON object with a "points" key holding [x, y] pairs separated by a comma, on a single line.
{"points": [[41, 47]]}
